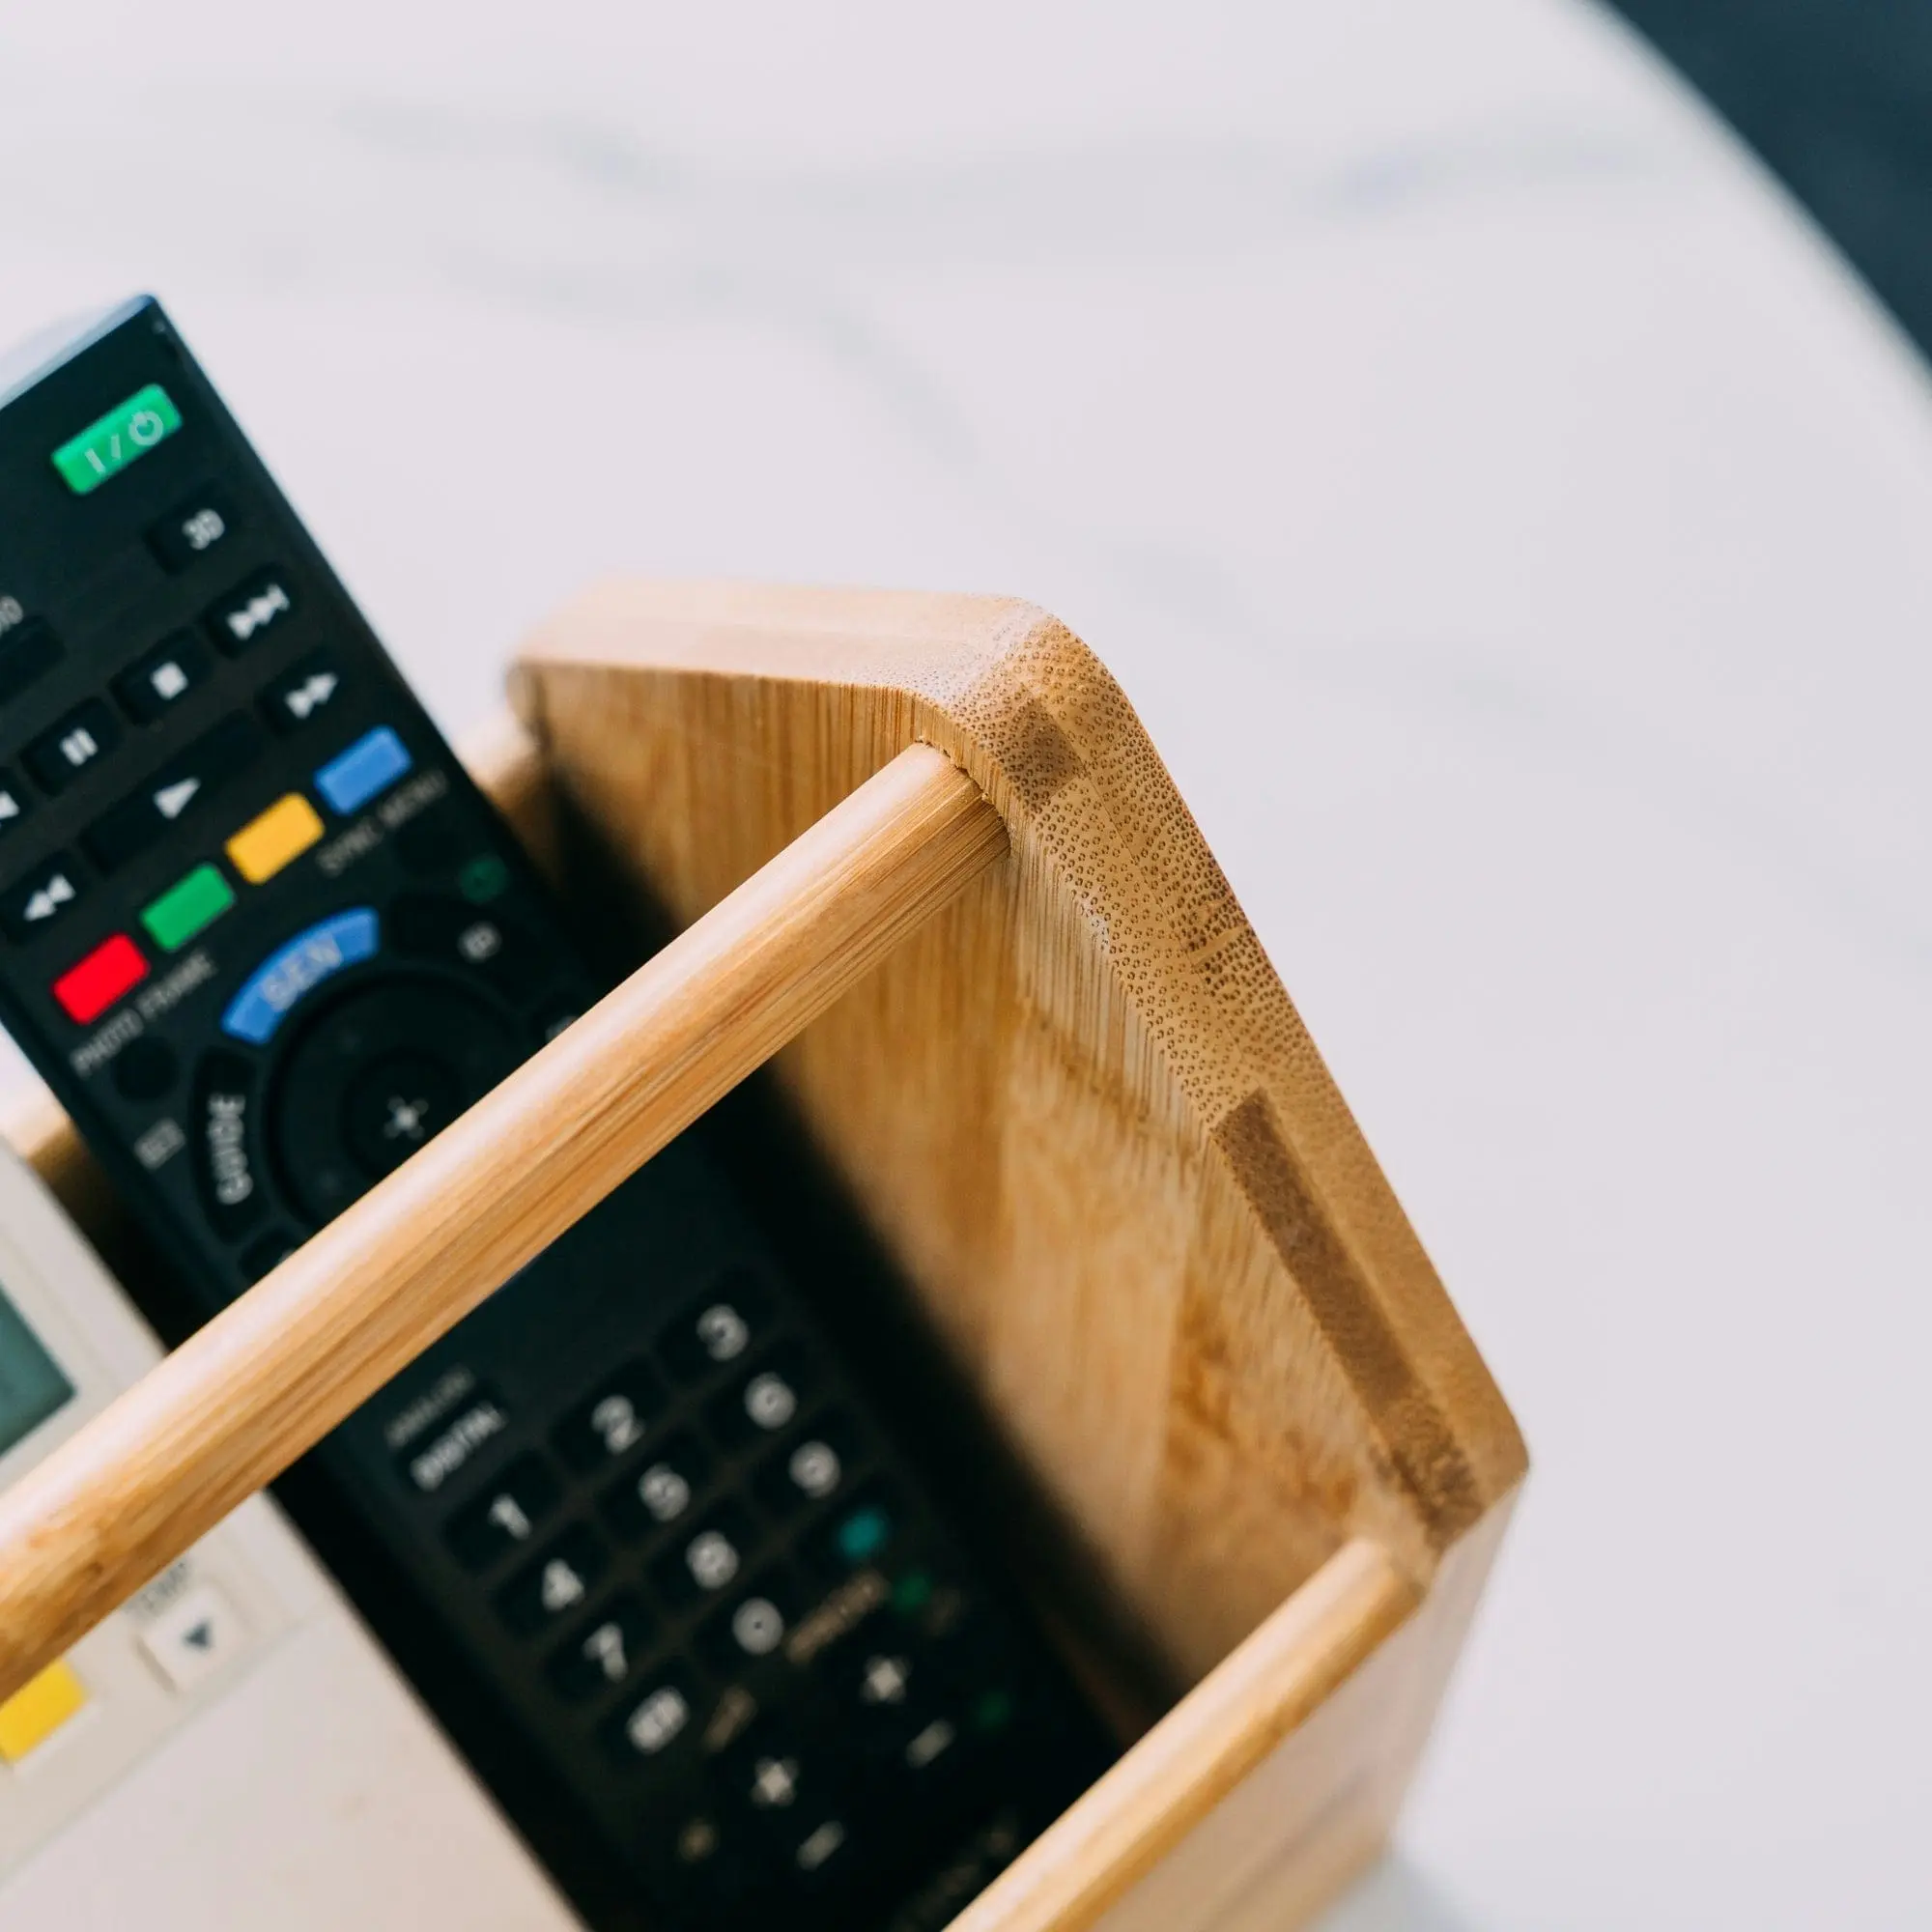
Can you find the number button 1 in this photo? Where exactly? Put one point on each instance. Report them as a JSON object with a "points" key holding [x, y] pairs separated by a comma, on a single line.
{"points": [[611, 1423], [506, 1516]]}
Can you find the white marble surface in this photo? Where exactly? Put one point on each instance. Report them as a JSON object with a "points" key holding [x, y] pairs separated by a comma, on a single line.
{"points": [[1425, 372]]}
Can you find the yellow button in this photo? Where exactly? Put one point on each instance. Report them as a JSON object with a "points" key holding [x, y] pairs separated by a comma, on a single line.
{"points": [[33, 1713], [265, 844]]}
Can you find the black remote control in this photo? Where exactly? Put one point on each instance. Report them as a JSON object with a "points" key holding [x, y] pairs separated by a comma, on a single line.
{"points": [[644, 1547]]}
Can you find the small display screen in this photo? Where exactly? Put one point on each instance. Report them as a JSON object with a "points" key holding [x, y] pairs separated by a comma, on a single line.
{"points": [[123, 435], [32, 1387]]}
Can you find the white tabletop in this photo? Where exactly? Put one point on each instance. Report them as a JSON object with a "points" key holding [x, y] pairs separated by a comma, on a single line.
{"points": [[1434, 370]]}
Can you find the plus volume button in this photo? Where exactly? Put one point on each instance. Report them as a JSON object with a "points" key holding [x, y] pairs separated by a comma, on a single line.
{"points": [[233, 1190]]}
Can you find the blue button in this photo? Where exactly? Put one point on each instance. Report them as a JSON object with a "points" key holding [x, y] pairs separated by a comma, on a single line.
{"points": [[297, 968], [374, 762], [864, 1533]]}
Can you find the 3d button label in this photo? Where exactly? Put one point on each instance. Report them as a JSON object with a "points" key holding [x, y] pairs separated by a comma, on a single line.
{"points": [[281, 834], [297, 969], [373, 763], [87, 990]]}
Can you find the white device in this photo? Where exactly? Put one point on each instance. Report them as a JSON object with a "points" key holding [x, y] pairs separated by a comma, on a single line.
{"points": [[230, 1749]]}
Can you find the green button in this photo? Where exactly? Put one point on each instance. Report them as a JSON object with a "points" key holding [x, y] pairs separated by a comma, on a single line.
{"points": [[912, 1592], [483, 879], [994, 1711], [123, 435], [186, 906]]}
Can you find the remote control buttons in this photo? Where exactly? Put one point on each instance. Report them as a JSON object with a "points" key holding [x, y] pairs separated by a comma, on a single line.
{"points": [[85, 735], [751, 1626], [661, 1490], [717, 1330], [304, 692], [182, 785], [188, 907], [603, 1653], [13, 801], [448, 931], [28, 651], [395, 1106], [222, 1133], [555, 1586], [797, 1475], [153, 684], [707, 1561], [371, 765], [295, 969], [506, 1516], [859, 1534], [192, 530], [763, 1402], [375, 1077], [46, 893], [656, 1724], [460, 1436], [274, 838], [706, 1859], [611, 1423], [239, 620], [86, 990]]}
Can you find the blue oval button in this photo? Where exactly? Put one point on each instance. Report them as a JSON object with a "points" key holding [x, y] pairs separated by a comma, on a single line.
{"points": [[297, 969]]}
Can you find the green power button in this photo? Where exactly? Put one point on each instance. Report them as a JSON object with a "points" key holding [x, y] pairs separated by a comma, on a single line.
{"points": [[123, 435]]}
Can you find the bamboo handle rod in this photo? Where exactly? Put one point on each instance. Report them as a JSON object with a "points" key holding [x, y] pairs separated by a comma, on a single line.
{"points": [[283, 1365], [1121, 1828]]}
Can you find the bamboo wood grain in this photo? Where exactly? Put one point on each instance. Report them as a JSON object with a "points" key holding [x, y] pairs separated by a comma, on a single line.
{"points": [[283, 1365], [1079, 1108], [1207, 1746]]}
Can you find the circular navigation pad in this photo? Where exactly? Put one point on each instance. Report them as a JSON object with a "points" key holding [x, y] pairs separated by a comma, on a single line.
{"points": [[372, 1078]]}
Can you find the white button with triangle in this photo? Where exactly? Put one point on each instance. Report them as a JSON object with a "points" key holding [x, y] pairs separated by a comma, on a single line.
{"points": [[193, 1637]]}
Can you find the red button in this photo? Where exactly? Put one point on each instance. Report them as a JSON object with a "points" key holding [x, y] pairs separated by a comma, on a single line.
{"points": [[86, 991]]}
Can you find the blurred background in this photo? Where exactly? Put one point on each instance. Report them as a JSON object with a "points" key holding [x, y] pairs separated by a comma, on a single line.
{"points": [[1446, 377]]}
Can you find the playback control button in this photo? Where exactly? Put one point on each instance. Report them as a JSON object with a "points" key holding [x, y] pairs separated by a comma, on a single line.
{"points": [[231, 1190], [184, 784], [304, 692], [38, 899]]}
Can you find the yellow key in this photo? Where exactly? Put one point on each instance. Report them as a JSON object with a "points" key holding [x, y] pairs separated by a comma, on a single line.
{"points": [[267, 844], [36, 1710]]}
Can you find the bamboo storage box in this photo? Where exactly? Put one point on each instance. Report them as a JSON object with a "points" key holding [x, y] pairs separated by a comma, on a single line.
{"points": [[1267, 1470]]}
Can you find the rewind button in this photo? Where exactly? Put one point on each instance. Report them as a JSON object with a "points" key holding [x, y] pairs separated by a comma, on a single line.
{"points": [[38, 899]]}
